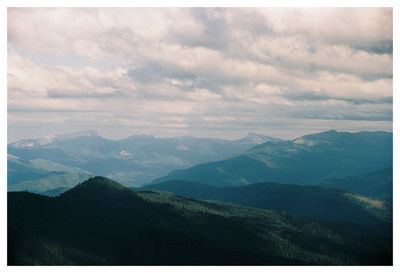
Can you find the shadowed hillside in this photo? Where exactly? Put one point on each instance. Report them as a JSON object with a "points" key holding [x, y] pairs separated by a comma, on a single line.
{"points": [[103, 222], [377, 184], [324, 204]]}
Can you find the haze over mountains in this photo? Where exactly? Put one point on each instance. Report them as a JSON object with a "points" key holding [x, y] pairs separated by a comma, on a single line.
{"points": [[307, 160], [315, 197], [56, 163], [134, 161], [323, 198]]}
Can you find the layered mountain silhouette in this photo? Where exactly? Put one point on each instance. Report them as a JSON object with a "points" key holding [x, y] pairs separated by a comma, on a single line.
{"points": [[102, 222], [134, 161], [308, 160], [24, 171], [323, 204], [376, 184]]}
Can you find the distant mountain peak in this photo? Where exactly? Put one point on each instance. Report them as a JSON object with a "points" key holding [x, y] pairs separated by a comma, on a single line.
{"points": [[32, 143], [324, 136], [252, 134], [61, 137], [334, 135], [257, 138]]}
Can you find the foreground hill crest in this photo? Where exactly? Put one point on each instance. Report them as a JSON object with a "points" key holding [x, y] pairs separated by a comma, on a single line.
{"points": [[96, 188], [101, 222], [100, 181]]}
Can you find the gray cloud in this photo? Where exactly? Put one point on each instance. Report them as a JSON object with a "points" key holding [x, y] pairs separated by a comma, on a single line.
{"points": [[59, 94], [312, 96], [154, 72], [380, 47], [215, 30]]}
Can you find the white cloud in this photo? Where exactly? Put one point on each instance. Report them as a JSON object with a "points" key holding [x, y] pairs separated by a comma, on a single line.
{"points": [[347, 25], [34, 80], [188, 70]]}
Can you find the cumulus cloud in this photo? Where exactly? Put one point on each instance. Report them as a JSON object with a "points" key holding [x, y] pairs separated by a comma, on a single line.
{"points": [[207, 71]]}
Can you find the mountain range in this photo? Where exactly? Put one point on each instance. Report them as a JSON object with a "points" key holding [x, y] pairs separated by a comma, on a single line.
{"points": [[356, 162], [34, 163], [321, 199], [102, 222], [308, 160]]}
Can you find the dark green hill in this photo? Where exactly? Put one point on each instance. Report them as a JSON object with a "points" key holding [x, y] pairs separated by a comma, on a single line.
{"points": [[102, 222], [308, 160], [324, 204], [377, 184]]}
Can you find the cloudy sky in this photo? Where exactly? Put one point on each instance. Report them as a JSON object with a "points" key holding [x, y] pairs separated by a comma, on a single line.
{"points": [[194, 71]]}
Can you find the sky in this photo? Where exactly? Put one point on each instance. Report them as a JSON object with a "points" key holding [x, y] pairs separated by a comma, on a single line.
{"points": [[205, 72]]}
